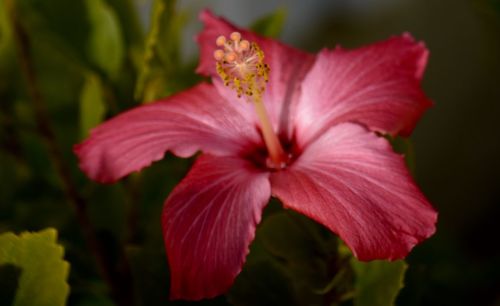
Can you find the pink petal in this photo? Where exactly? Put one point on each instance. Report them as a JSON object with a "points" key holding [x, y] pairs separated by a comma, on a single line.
{"points": [[196, 119], [209, 221], [378, 86], [288, 68], [353, 183]]}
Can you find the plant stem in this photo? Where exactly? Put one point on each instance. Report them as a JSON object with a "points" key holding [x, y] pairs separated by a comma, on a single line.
{"points": [[120, 294]]}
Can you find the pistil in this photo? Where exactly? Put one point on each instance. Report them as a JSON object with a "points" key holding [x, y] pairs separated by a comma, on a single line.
{"points": [[274, 148], [241, 66]]}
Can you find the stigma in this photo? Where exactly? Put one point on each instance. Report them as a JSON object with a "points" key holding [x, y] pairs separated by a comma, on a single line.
{"points": [[240, 64]]}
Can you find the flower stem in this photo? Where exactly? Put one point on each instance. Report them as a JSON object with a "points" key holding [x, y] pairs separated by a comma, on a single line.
{"points": [[274, 148]]}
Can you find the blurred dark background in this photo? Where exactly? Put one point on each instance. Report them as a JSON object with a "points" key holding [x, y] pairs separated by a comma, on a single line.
{"points": [[457, 143]]}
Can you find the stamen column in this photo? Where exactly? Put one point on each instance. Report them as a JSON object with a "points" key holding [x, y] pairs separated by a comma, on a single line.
{"points": [[241, 66]]}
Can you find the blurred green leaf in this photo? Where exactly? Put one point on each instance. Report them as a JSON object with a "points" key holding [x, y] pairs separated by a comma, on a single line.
{"points": [[307, 254], [170, 23], [161, 59], [4, 25], [378, 282], [288, 238], [92, 104], [44, 271], [270, 25], [6, 50], [133, 38], [66, 20], [106, 46], [150, 271], [127, 12], [5, 33], [107, 209], [262, 283]]}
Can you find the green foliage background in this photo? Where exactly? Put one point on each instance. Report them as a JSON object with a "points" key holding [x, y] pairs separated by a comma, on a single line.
{"points": [[89, 60]]}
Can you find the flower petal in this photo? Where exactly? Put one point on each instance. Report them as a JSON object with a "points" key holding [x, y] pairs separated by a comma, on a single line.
{"points": [[288, 68], [196, 119], [209, 221], [378, 86], [352, 182]]}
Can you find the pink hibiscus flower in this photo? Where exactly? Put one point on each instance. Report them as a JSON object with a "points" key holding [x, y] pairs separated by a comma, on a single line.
{"points": [[279, 122]]}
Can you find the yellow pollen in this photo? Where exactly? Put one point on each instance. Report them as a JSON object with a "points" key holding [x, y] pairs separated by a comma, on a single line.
{"points": [[240, 64]]}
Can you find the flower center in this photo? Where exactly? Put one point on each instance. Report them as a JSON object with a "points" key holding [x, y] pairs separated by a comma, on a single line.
{"points": [[240, 64]]}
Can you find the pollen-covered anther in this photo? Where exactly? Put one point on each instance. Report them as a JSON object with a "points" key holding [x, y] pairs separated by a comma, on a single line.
{"points": [[244, 45], [220, 41], [240, 64], [219, 55], [231, 57], [235, 36]]}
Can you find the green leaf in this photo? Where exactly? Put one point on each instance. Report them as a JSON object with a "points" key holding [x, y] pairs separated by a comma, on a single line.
{"points": [[378, 282], [128, 14], [67, 21], [287, 237], [262, 283], [7, 61], [272, 24], [5, 32], [161, 59], [308, 253], [170, 23], [92, 104], [44, 272], [150, 273], [106, 47]]}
